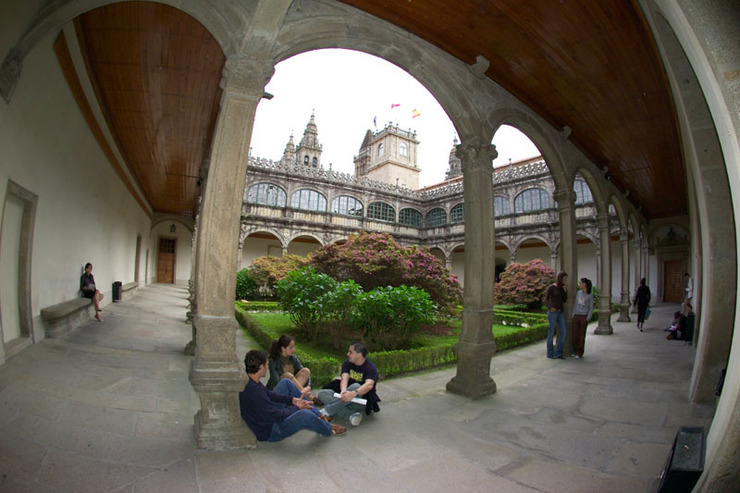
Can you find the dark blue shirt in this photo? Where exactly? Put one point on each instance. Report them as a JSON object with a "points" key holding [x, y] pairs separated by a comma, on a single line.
{"points": [[259, 411]]}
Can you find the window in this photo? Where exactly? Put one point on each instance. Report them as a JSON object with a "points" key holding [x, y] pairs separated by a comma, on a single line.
{"points": [[308, 200], [346, 206], [380, 149], [457, 214], [534, 199], [583, 193], [410, 217], [436, 217], [267, 194], [501, 206], [404, 150], [314, 162], [381, 211]]}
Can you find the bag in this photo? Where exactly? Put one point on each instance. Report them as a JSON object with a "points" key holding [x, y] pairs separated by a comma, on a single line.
{"points": [[647, 313]]}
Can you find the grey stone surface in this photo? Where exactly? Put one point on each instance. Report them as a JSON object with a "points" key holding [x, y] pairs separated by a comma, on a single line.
{"points": [[110, 408]]}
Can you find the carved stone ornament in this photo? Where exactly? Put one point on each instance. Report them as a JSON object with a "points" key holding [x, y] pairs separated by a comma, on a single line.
{"points": [[247, 75], [474, 156]]}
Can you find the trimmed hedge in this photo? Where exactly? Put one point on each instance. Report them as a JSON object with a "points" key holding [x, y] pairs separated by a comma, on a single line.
{"points": [[259, 306]]}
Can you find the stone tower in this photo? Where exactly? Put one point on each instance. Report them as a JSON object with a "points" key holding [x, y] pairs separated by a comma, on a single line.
{"points": [[289, 153], [455, 163], [389, 156], [308, 151]]}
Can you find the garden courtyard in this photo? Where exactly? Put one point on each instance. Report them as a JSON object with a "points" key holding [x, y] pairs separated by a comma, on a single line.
{"points": [[110, 408]]}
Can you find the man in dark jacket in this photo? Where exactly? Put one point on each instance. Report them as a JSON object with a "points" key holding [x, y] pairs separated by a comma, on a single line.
{"points": [[555, 298], [273, 416]]}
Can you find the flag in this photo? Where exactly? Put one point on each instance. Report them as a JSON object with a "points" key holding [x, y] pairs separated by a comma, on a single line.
{"points": [[415, 113], [394, 105], [375, 121]]}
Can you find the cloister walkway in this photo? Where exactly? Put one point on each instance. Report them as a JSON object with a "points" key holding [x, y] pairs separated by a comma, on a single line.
{"points": [[110, 408]]}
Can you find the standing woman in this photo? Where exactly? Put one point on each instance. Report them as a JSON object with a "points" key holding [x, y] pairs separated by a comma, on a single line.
{"points": [[87, 285], [583, 310], [642, 300], [283, 363]]}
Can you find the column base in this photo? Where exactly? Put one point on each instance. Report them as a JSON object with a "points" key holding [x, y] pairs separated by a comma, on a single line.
{"points": [[473, 377], [222, 435], [624, 313]]}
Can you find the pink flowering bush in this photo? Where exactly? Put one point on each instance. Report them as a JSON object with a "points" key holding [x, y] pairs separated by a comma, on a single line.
{"points": [[375, 260], [524, 284]]}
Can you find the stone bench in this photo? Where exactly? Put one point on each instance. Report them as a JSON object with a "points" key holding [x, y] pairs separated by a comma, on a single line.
{"points": [[66, 316], [128, 289]]}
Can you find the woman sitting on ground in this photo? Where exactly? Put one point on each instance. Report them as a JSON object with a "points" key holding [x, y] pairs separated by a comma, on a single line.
{"points": [[283, 363], [87, 285]]}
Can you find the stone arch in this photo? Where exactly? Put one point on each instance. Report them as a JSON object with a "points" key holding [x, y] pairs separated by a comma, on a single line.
{"points": [[294, 245], [187, 223]]}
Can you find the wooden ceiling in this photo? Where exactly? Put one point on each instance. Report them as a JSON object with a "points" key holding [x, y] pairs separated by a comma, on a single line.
{"points": [[588, 65]]}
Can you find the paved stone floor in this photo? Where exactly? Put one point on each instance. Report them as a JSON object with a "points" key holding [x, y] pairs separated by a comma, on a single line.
{"points": [[110, 408]]}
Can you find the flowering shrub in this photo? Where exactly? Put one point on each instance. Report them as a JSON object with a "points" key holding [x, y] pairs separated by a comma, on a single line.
{"points": [[391, 316], [375, 260], [267, 271], [524, 283]]}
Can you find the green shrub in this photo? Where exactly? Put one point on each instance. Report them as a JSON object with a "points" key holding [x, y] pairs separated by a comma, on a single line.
{"points": [[301, 294], [246, 286], [391, 316], [259, 306]]}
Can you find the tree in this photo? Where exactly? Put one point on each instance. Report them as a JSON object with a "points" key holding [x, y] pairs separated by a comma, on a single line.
{"points": [[524, 284]]}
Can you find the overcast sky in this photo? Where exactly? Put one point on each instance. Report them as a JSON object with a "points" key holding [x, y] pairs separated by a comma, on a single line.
{"points": [[347, 91]]}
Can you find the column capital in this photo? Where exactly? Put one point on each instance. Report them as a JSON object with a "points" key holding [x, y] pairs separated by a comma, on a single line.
{"points": [[246, 75], [624, 236], [564, 197], [476, 156], [602, 223]]}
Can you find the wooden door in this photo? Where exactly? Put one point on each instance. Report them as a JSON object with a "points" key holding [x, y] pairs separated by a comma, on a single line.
{"points": [[166, 260], [672, 281]]}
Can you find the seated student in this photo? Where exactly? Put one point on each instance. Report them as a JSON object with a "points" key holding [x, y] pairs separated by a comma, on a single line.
{"points": [[283, 363], [87, 286], [688, 326], [265, 411], [359, 377], [674, 323]]}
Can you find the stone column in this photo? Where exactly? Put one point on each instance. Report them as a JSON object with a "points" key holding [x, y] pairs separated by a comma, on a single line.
{"points": [[512, 256], [448, 262], [624, 300], [476, 346], [216, 372], [554, 258], [605, 280], [566, 215]]}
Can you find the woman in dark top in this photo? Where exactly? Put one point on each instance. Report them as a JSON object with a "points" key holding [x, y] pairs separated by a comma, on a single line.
{"points": [[283, 363], [87, 285], [642, 300]]}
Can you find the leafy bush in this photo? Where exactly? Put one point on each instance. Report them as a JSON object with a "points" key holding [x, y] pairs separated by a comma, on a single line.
{"points": [[391, 316], [376, 260], [524, 283], [246, 286], [301, 294], [267, 271]]}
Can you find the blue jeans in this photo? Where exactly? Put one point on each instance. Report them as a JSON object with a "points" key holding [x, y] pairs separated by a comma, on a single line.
{"points": [[303, 418], [335, 406], [555, 319]]}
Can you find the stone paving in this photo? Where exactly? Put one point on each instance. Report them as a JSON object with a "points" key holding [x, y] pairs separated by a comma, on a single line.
{"points": [[110, 408]]}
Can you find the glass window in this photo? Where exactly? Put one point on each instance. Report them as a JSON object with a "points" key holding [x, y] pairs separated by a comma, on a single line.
{"points": [[381, 211], [534, 199], [346, 206], [436, 217], [404, 149], [305, 160], [583, 193], [457, 214], [380, 149], [501, 205], [410, 217], [267, 194], [314, 162], [308, 200]]}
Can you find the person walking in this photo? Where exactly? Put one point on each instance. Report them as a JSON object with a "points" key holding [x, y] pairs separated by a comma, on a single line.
{"points": [[642, 300]]}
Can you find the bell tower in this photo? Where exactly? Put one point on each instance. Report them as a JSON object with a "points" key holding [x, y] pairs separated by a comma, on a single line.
{"points": [[308, 152], [389, 156]]}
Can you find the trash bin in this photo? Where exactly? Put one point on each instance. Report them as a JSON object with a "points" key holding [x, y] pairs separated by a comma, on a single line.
{"points": [[117, 288], [685, 461]]}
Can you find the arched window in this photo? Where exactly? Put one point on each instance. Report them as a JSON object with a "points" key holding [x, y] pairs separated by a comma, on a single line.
{"points": [[308, 200], [314, 162], [410, 217], [267, 194], [457, 214], [346, 206], [380, 149], [381, 211], [501, 206], [583, 193], [404, 149], [534, 199], [305, 160], [436, 217]]}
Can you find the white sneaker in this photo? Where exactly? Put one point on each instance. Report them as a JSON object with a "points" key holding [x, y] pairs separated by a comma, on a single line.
{"points": [[355, 419], [577, 357]]}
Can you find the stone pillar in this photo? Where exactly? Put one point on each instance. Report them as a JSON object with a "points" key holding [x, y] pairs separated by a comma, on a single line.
{"points": [[597, 254], [637, 265], [216, 372], [568, 247], [512, 256], [476, 346], [605, 280], [554, 258], [624, 300], [448, 262]]}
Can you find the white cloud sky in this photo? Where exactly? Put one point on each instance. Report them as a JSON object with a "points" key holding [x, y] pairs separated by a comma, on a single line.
{"points": [[346, 90]]}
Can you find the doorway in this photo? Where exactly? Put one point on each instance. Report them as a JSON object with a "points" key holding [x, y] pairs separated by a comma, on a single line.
{"points": [[166, 260], [672, 281]]}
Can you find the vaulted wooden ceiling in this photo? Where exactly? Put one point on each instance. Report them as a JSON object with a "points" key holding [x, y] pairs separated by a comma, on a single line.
{"points": [[589, 65]]}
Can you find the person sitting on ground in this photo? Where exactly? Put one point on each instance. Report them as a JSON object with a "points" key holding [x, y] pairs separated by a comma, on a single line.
{"points": [[265, 413], [674, 324], [688, 326], [283, 363], [87, 286], [359, 377]]}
